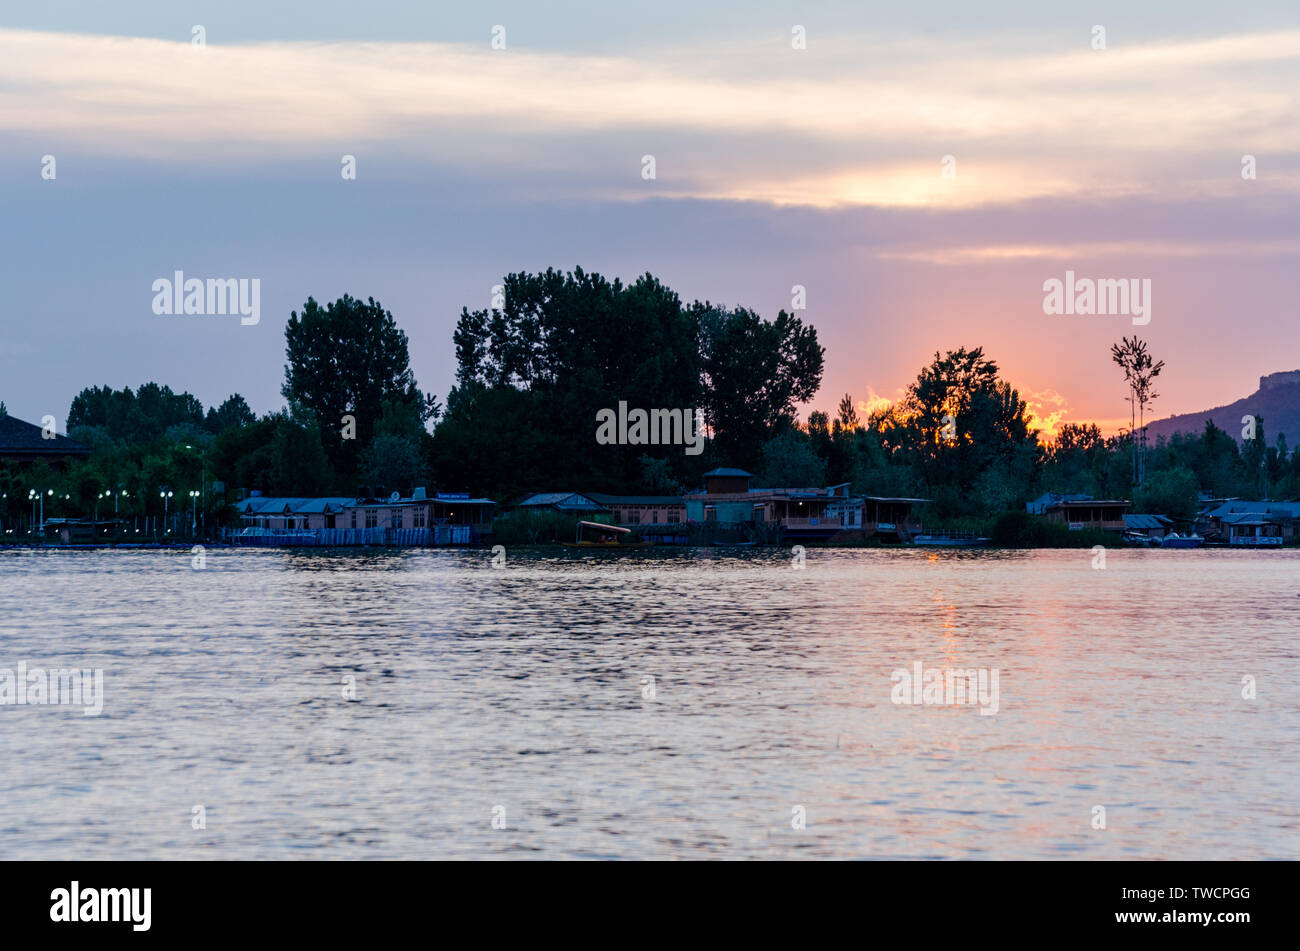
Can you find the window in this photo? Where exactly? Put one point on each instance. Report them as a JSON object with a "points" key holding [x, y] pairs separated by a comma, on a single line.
{"points": [[633, 516], [372, 518], [673, 516], [354, 518], [397, 518], [710, 513], [417, 520]]}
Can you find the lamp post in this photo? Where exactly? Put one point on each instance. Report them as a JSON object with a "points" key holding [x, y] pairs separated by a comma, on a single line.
{"points": [[165, 495], [35, 494], [194, 517], [203, 480]]}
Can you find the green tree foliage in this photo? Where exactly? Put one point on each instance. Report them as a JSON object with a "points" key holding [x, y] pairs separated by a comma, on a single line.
{"points": [[532, 374], [754, 372], [1169, 492], [965, 434], [299, 466], [234, 413], [791, 461], [133, 417], [349, 358]]}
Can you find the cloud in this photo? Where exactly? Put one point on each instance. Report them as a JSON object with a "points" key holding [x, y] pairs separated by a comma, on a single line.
{"points": [[853, 120]]}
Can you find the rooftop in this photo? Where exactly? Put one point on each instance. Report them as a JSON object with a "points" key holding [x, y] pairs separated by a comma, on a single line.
{"points": [[16, 435]]}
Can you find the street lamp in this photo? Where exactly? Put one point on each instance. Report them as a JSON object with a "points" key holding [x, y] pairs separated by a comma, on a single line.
{"points": [[33, 495], [194, 519], [166, 497], [203, 480]]}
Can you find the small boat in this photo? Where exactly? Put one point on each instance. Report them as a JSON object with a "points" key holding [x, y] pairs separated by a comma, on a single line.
{"points": [[600, 535], [1174, 540], [1138, 538], [951, 541]]}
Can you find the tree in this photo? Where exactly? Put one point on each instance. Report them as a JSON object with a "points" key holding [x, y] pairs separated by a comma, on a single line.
{"points": [[1170, 492], [298, 463], [847, 415], [1140, 371], [233, 413], [1254, 456], [789, 461], [134, 418], [956, 421], [347, 359], [754, 372], [558, 348]]}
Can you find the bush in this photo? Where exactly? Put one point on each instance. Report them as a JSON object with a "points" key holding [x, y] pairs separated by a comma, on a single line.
{"points": [[533, 528], [1018, 529]]}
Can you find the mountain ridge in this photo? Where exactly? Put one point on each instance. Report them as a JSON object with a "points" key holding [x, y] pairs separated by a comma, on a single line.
{"points": [[1277, 401]]}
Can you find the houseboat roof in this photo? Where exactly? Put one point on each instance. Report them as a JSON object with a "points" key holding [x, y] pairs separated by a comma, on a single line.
{"points": [[729, 472], [1236, 506], [20, 436], [1252, 518], [1049, 497], [886, 498], [1087, 503], [605, 499], [563, 501], [269, 505], [1141, 522]]}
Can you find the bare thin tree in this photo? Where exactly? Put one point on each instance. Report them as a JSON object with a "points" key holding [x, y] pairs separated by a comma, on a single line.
{"points": [[1140, 372]]}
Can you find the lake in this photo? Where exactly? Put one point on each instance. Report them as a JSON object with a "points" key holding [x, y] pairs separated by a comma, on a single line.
{"points": [[705, 703]]}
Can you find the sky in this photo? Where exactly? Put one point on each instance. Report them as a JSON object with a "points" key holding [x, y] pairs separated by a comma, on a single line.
{"points": [[921, 169]]}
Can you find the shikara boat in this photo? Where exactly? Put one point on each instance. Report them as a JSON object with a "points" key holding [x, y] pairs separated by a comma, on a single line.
{"points": [[600, 535]]}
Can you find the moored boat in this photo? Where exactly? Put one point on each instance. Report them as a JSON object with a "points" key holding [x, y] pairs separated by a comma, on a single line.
{"points": [[600, 535], [1174, 540]]}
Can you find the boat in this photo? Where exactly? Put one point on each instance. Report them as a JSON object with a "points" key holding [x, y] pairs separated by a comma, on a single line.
{"points": [[1174, 540], [954, 539], [600, 535], [1140, 539]]}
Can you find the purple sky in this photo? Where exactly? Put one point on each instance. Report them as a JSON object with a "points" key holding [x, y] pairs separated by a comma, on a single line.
{"points": [[775, 166]]}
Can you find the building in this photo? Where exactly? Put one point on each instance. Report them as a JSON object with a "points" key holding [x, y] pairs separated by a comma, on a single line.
{"points": [[1252, 523], [1039, 505], [25, 443], [1104, 514], [1152, 526], [636, 510], [454, 518], [802, 514], [570, 503], [890, 517], [844, 507], [291, 514]]}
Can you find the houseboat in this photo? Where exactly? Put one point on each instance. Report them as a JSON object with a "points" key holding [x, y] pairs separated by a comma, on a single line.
{"points": [[454, 518]]}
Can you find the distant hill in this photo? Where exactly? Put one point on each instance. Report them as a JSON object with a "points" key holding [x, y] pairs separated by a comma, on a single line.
{"points": [[1277, 400]]}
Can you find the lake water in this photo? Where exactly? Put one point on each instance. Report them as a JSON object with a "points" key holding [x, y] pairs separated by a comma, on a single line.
{"points": [[522, 697]]}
